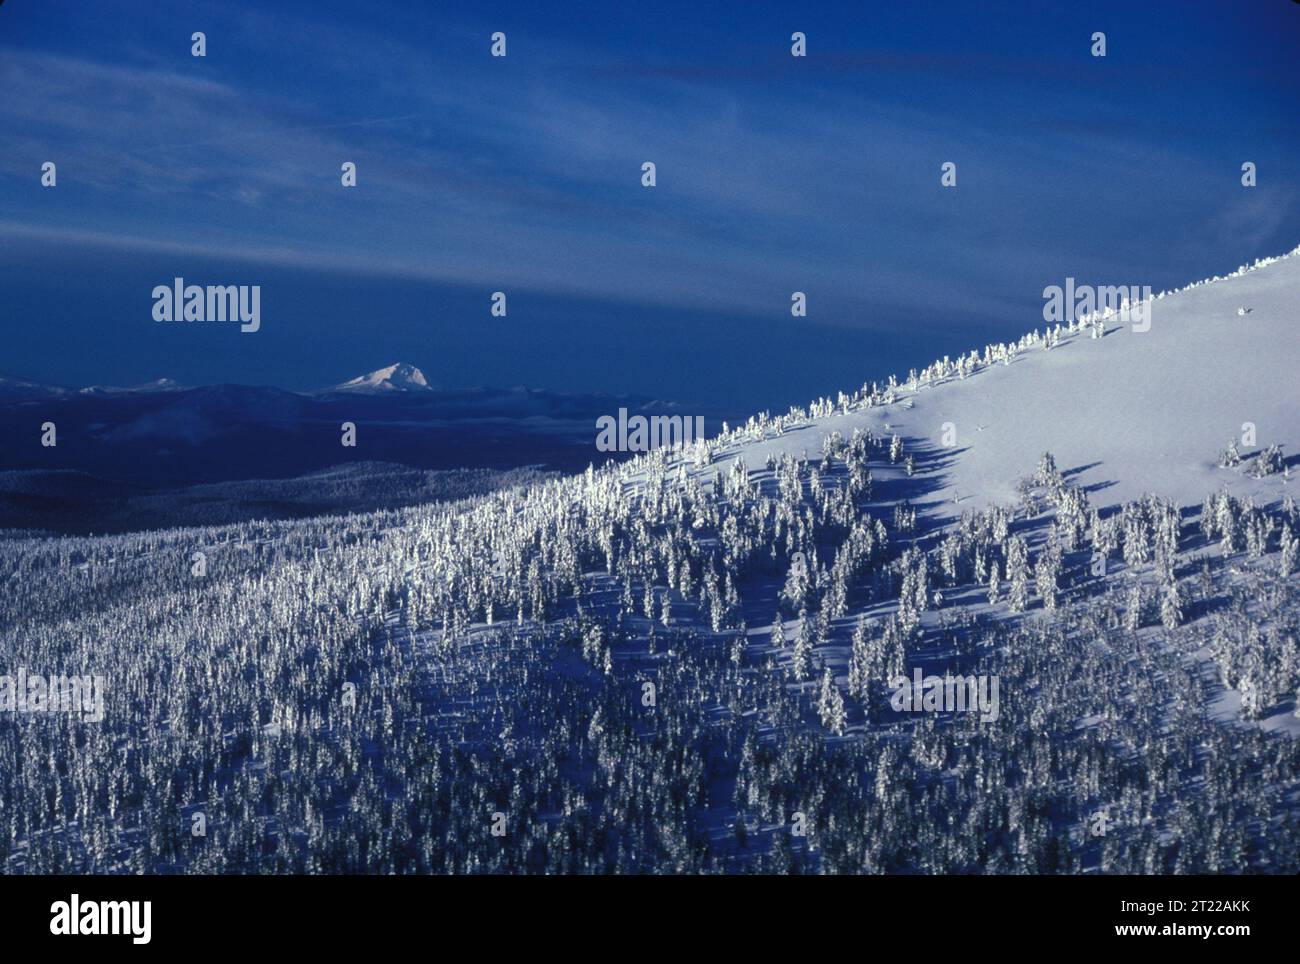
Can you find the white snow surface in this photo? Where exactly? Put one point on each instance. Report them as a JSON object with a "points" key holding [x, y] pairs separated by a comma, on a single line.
{"points": [[398, 377], [1130, 413]]}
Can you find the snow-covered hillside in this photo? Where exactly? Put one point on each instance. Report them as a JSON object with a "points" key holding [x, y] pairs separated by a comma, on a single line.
{"points": [[1133, 412], [822, 642]]}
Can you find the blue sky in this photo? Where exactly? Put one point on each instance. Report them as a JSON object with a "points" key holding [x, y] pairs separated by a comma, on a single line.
{"points": [[522, 174]]}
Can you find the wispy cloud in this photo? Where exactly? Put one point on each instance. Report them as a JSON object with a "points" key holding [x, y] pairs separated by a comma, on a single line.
{"points": [[526, 172]]}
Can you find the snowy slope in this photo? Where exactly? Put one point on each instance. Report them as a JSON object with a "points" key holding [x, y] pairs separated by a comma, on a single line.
{"points": [[1133, 412]]}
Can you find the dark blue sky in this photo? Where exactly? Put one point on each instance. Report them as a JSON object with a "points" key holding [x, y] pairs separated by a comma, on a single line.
{"points": [[775, 174]]}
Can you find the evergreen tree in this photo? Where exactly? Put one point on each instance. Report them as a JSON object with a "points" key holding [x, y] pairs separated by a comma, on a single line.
{"points": [[1018, 574], [1289, 546], [1133, 611], [803, 647], [860, 660], [797, 582], [778, 632], [1171, 607], [1046, 574], [830, 705]]}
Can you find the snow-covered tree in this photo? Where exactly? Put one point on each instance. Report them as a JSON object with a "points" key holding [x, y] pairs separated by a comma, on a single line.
{"points": [[830, 705], [803, 647]]}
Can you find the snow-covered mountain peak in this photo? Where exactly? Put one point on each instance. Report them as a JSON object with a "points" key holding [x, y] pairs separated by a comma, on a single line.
{"points": [[398, 377]]}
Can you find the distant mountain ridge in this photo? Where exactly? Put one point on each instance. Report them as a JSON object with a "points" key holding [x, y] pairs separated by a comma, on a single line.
{"points": [[20, 389], [157, 385], [165, 434]]}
